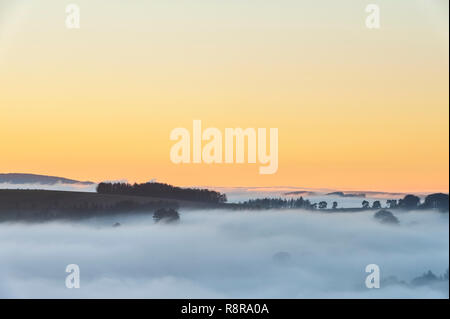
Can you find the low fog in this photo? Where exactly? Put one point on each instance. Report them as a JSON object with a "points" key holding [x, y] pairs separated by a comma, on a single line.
{"points": [[227, 254], [315, 195], [52, 187]]}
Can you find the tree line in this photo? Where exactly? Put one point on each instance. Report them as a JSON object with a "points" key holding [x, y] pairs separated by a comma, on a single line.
{"points": [[437, 201], [162, 190], [267, 203]]}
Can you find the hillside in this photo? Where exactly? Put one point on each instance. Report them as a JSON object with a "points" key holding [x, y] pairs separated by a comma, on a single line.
{"points": [[42, 205], [19, 178]]}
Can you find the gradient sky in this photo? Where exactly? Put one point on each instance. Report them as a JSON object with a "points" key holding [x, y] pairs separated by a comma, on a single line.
{"points": [[355, 108]]}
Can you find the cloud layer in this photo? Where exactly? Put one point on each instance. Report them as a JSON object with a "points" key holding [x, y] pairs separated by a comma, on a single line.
{"points": [[224, 254]]}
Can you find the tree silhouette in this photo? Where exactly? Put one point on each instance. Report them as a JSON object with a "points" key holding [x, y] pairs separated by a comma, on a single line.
{"points": [[166, 214], [386, 217], [409, 202], [436, 201], [323, 205], [365, 204], [376, 204], [162, 191], [267, 203]]}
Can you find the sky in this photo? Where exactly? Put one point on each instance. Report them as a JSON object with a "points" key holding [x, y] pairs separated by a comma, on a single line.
{"points": [[356, 108]]}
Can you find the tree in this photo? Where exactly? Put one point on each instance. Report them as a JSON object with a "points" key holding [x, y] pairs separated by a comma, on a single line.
{"points": [[323, 205], [268, 203], [386, 217], [365, 204], [426, 279], [162, 191], [436, 201], [166, 214], [335, 204], [409, 202], [376, 204]]}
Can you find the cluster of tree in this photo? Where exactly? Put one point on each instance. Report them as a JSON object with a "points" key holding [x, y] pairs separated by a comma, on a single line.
{"points": [[437, 201], [167, 215], [429, 278], [323, 205], [267, 203], [434, 201], [162, 191], [386, 217], [375, 205], [426, 279]]}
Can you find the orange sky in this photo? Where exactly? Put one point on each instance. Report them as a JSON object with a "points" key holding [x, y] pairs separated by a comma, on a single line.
{"points": [[355, 108]]}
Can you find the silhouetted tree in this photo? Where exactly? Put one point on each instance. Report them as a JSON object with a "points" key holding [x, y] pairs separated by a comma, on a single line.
{"points": [[166, 215], [365, 204], [323, 205], [426, 279], [267, 203], [386, 217], [409, 202], [376, 204], [162, 191], [436, 201]]}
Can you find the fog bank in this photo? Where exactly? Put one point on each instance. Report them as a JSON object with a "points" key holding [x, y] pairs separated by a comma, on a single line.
{"points": [[224, 254]]}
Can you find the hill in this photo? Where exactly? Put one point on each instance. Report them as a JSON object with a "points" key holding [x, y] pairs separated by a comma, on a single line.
{"points": [[19, 178], [44, 205]]}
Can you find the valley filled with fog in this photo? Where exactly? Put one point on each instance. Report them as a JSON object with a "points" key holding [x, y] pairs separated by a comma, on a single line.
{"points": [[229, 254], [240, 194]]}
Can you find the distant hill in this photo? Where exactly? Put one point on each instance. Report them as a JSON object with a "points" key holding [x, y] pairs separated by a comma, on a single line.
{"points": [[17, 178], [306, 193], [342, 194]]}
